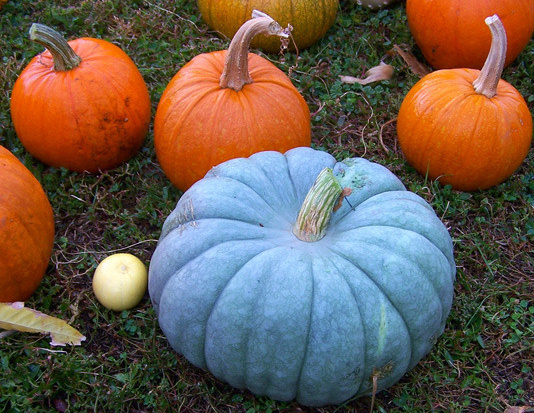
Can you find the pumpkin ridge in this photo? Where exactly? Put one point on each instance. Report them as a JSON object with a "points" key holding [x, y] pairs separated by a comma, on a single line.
{"points": [[288, 199], [255, 103], [214, 299], [378, 287], [421, 276], [244, 187], [417, 201], [344, 276], [173, 119], [308, 329], [195, 95], [415, 233], [179, 229], [431, 128], [250, 315]]}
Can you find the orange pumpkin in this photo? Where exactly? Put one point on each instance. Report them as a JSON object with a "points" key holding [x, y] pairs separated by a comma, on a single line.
{"points": [[227, 104], [82, 105], [465, 127], [27, 228], [452, 34]]}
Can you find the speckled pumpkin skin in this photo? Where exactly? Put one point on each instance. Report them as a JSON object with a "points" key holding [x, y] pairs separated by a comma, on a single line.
{"points": [[238, 294]]}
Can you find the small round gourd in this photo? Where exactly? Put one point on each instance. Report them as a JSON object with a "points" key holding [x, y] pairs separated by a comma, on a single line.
{"points": [[299, 293], [120, 281]]}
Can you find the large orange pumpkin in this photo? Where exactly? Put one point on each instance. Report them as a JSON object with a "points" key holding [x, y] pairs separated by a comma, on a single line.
{"points": [[227, 104], [452, 34], [465, 127], [82, 105], [26, 228], [310, 19]]}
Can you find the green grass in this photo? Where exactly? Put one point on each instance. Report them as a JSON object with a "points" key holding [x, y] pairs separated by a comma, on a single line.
{"points": [[482, 363]]}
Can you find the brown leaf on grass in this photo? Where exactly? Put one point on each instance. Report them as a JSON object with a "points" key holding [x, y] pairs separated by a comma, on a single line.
{"points": [[518, 409], [415, 65], [375, 74], [14, 316]]}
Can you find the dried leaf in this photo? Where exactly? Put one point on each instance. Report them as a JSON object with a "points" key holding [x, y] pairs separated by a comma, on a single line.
{"points": [[517, 409], [375, 74], [415, 65], [14, 316]]}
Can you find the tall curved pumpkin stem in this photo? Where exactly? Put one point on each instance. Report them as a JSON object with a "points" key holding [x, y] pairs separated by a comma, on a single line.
{"points": [[316, 210], [235, 74], [64, 57], [490, 74]]}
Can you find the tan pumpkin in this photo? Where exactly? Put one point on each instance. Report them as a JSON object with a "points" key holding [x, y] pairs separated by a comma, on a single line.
{"points": [[310, 19]]}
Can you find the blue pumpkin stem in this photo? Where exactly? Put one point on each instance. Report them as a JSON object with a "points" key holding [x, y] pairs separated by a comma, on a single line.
{"points": [[316, 210]]}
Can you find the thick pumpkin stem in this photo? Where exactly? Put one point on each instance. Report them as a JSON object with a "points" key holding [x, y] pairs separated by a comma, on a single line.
{"points": [[317, 208], [490, 74], [64, 57], [235, 74]]}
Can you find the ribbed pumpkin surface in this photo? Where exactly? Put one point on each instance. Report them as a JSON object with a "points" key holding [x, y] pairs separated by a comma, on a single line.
{"points": [[198, 124], [310, 19], [237, 293]]}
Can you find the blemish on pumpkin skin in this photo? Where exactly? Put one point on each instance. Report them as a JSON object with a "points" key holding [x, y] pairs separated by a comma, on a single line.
{"points": [[383, 371]]}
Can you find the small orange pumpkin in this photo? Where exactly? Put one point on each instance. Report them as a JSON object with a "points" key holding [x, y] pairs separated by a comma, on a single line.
{"points": [[27, 228], [228, 104], [82, 105], [468, 128], [452, 34]]}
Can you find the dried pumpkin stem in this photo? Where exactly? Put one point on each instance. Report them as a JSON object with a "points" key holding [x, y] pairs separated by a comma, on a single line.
{"points": [[235, 74], [490, 74], [64, 57], [317, 208]]}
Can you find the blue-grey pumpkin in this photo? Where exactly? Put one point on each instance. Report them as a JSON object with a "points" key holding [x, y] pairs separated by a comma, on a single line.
{"points": [[311, 306]]}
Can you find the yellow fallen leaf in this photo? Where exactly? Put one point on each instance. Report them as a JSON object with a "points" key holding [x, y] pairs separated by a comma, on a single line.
{"points": [[375, 74], [14, 316]]}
